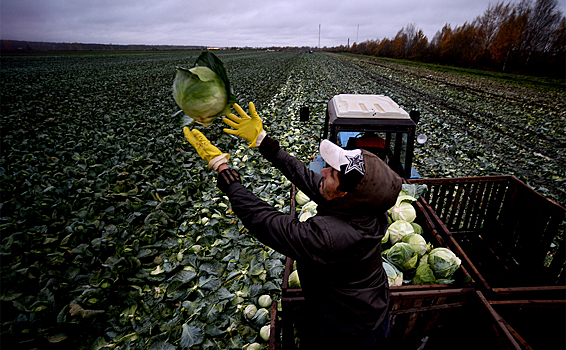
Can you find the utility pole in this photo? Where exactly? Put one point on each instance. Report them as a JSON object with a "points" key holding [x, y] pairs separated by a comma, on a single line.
{"points": [[319, 37], [357, 34]]}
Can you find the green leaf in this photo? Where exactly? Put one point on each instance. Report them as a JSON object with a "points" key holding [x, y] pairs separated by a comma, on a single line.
{"points": [[191, 336], [162, 345], [208, 59]]}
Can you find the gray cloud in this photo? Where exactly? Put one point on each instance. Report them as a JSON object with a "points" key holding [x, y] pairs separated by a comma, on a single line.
{"points": [[232, 23]]}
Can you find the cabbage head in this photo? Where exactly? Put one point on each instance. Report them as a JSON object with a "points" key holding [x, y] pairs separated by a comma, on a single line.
{"points": [[403, 211], [443, 262], [403, 256], [253, 346], [264, 300], [301, 198], [250, 311], [398, 230], [424, 274], [261, 317], [385, 238], [203, 92], [394, 276], [308, 210], [294, 281], [417, 228], [264, 332], [417, 242]]}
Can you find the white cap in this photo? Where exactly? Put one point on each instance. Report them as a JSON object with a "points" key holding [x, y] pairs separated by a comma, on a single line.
{"points": [[338, 157]]}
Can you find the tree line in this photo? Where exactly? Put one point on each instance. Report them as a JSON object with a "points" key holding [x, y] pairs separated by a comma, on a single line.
{"points": [[523, 37]]}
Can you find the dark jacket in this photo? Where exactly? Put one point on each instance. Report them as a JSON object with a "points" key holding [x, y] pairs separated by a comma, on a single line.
{"points": [[338, 256]]}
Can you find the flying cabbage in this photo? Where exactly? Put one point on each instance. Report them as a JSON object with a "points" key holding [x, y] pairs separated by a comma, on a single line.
{"points": [[203, 92]]}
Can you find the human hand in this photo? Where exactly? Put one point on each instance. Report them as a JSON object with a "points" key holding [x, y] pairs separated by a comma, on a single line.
{"points": [[207, 151], [248, 127]]}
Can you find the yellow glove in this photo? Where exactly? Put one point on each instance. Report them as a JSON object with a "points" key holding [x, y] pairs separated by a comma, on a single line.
{"points": [[205, 149], [249, 128]]}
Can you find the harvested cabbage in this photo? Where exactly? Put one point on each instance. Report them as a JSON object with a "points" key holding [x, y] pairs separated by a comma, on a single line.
{"points": [[417, 242], [424, 274], [294, 281], [403, 211], [403, 256], [417, 228], [443, 262], [398, 230], [413, 190], [385, 238], [308, 210], [301, 199], [394, 276], [203, 92]]}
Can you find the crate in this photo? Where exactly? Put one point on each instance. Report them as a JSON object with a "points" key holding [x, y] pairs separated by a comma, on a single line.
{"points": [[431, 233], [417, 315], [503, 230], [275, 328], [527, 324], [415, 310]]}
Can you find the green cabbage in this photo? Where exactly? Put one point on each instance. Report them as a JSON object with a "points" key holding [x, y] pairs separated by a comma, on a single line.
{"points": [[417, 228], [417, 242], [394, 276], [308, 210], [264, 300], [294, 281], [424, 274], [385, 238], [264, 332], [301, 199], [398, 230], [261, 317], [253, 346], [413, 190], [250, 311], [403, 256], [403, 211], [443, 262], [203, 92]]}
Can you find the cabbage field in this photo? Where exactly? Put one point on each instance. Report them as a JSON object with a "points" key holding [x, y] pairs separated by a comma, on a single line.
{"points": [[113, 233]]}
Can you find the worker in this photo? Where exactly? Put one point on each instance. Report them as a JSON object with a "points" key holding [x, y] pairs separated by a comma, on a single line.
{"points": [[338, 251]]}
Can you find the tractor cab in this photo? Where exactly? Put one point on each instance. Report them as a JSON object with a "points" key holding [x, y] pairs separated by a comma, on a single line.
{"points": [[374, 123]]}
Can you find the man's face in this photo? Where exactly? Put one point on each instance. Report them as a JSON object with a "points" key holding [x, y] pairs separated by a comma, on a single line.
{"points": [[329, 184]]}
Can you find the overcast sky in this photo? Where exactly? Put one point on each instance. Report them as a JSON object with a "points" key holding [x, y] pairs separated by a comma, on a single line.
{"points": [[241, 23]]}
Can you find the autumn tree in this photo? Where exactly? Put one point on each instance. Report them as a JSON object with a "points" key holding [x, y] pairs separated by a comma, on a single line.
{"points": [[487, 28]]}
